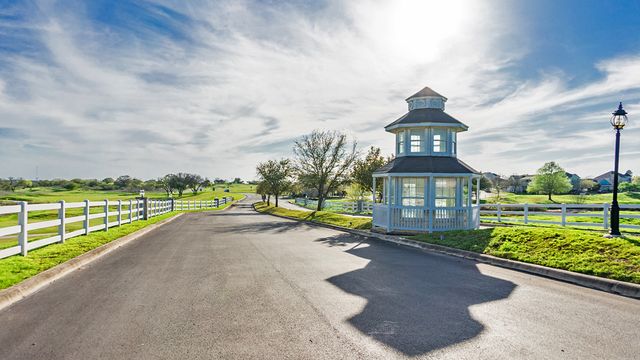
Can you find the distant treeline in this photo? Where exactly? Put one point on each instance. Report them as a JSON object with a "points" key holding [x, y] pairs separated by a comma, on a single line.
{"points": [[170, 183]]}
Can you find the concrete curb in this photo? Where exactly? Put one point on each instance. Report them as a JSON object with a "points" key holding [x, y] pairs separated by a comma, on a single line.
{"points": [[611, 286], [28, 286]]}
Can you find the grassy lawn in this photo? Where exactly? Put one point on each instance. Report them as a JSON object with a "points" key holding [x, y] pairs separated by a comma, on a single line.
{"points": [[581, 251], [49, 195], [509, 198], [17, 268], [317, 216]]}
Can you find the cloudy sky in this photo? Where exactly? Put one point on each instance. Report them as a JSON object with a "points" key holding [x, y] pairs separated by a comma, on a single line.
{"points": [[104, 88]]}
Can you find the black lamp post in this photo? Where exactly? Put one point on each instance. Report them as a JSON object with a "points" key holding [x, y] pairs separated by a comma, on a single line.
{"points": [[618, 121]]}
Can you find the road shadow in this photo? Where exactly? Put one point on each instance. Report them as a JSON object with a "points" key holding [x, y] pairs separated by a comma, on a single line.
{"points": [[272, 226], [416, 302]]}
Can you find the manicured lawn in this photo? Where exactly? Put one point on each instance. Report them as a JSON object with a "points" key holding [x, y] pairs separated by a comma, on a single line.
{"points": [[317, 216], [585, 252], [509, 198], [17, 268]]}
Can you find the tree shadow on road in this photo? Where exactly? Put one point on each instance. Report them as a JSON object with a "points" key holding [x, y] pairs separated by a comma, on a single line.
{"points": [[416, 302], [272, 226]]}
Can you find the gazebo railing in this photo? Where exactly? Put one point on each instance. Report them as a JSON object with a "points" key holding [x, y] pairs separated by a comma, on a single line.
{"points": [[417, 218]]}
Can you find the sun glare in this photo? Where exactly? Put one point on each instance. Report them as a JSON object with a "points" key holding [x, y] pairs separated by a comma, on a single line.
{"points": [[414, 31]]}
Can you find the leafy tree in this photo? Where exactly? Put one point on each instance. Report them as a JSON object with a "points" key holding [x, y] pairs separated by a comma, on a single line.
{"points": [[588, 185], [123, 182], [362, 173], [276, 175], [12, 183], [237, 181], [263, 189], [550, 179], [323, 161], [166, 184], [107, 180], [179, 182], [629, 187], [194, 182]]}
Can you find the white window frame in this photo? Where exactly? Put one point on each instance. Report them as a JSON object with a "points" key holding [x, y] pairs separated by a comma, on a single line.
{"points": [[418, 187], [401, 142], [441, 142], [420, 141], [438, 194]]}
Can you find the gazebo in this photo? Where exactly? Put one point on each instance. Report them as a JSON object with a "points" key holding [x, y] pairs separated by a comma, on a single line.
{"points": [[426, 187]]}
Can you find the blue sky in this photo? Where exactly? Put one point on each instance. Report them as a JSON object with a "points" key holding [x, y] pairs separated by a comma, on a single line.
{"points": [[104, 88]]}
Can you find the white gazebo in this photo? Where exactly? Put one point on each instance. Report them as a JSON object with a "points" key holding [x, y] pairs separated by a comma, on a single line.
{"points": [[426, 187]]}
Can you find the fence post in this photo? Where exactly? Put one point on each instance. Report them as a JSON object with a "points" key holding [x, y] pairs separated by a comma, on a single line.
{"points": [[526, 213], [605, 216], [63, 221], [130, 210], [86, 217], [23, 220], [564, 214], [499, 212], [106, 215], [216, 202], [145, 208], [119, 212], [173, 205]]}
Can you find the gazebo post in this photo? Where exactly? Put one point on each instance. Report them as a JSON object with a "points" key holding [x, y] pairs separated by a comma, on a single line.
{"points": [[374, 190]]}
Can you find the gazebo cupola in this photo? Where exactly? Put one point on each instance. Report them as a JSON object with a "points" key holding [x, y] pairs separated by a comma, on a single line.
{"points": [[426, 187]]}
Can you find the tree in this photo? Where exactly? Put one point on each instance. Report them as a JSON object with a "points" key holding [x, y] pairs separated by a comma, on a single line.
{"points": [[12, 183], [588, 185], [194, 182], [323, 161], [263, 189], [550, 179], [179, 182], [498, 184], [362, 173], [166, 184], [123, 182], [276, 176], [237, 181]]}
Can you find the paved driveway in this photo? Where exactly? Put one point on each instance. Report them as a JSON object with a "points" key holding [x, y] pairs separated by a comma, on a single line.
{"points": [[238, 284]]}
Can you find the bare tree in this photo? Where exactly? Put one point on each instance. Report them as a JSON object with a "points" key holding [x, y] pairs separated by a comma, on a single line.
{"points": [[323, 161], [362, 173]]}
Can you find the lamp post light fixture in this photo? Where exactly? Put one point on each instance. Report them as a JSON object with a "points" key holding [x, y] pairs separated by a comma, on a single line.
{"points": [[618, 121]]}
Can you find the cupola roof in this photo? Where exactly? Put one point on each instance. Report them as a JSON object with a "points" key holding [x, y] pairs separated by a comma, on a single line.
{"points": [[426, 91]]}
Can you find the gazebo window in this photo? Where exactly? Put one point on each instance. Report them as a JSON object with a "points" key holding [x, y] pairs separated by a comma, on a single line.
{"points": [[445, 195], [401, 142], [454, 146], [417, 141], [412, 191], [439, 141]]}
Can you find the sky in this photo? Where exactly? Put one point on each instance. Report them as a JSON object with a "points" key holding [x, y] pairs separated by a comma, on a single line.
{"points": [[100, 88]]}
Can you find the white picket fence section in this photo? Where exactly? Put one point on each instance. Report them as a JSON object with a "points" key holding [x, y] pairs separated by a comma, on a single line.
{"points": [[523, 213], [338, 206], [125, 212]]}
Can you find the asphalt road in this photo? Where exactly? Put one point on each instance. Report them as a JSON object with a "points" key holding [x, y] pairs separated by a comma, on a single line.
{"points": [[238, 284]]}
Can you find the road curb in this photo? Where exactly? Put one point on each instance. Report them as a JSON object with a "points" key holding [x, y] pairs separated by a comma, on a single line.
{"points": [[611, 286], [28, 286]]}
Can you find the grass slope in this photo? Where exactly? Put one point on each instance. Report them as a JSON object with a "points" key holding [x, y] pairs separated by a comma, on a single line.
{"points": [[317, 216], [574, 250], [17, 268]]}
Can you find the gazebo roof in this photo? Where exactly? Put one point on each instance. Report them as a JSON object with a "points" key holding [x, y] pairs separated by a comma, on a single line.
{"points": [[427, 115], [426, 164], [426, 91]]}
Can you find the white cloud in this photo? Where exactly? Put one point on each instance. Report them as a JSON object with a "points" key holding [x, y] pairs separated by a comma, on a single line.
{"points": [[244, 78]]}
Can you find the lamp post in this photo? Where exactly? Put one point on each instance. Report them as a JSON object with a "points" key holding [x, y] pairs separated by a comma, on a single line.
{"points": [[618, 121]]}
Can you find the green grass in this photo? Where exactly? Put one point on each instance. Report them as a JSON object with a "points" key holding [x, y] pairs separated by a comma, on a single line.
{"points": [[17, 268], [581, 251], [49, 195], [317, 216], [510, 198]]}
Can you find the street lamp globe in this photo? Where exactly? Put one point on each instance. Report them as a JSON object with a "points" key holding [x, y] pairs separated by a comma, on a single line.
{"points": [[619, 118]]}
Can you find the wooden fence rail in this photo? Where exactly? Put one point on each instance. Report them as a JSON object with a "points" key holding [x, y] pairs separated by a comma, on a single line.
{"points": [[562, 214], [109, 214]]}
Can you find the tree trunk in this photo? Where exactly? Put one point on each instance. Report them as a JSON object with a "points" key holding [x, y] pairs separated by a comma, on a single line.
{"points": [[276, 195], [269, 200], [320, 201], [550, 199]]}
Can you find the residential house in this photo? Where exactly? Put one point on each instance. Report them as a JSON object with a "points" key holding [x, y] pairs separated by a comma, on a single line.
{"points": [[518, 184], [606, 180], [575, 181]]}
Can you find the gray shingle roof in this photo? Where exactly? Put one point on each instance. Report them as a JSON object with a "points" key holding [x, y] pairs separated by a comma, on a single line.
{"points": [[426, 164], [426, 91], [426, 116]]}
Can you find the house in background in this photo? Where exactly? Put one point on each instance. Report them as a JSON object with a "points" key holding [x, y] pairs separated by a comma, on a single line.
{"points": [[490, 176], [575, 181], [518, 184], [606, 180]]}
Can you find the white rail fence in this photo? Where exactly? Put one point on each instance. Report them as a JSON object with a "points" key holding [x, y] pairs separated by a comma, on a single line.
{"points": [[360, 206], [94, 216], [595, 215]]}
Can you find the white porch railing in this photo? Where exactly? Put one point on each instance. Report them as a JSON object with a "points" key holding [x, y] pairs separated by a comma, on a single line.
{"points": [[412, 218], [93, 216], [560, 214]]}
